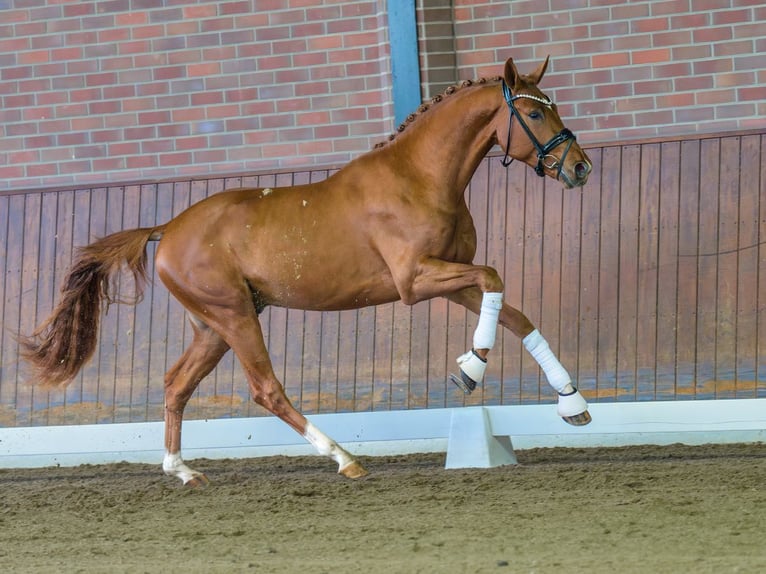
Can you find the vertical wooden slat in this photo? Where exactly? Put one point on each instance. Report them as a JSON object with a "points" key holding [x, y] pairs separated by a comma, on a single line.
{"points": [[609, 279], [627, 320], [728, 235], [417, 388], [648, 248], [42, 400], [346, 369], [747, 313], [365, 355], [381, 383], [588, 283], [438, 361], [667, 276], [28, 300], [760, 346], [688, 255], [7, 385], [401, 330], [707, 270], [13, 307]]}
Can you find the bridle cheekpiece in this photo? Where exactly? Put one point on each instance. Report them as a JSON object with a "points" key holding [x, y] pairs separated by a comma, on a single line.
{"points": [[543, 151]]}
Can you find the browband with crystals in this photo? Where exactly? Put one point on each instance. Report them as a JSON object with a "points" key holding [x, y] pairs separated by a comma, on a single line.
{"points": [[544, 101]]}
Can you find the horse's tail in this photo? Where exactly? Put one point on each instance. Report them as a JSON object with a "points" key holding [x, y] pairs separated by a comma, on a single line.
{"points": [[65, 341]]}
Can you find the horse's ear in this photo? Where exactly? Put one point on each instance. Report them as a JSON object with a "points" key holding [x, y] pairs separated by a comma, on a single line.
{"points": [[512, 76], [540, 71]]}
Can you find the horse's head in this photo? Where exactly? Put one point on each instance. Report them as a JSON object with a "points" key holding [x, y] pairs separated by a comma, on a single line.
{"points": [[539, 136]]}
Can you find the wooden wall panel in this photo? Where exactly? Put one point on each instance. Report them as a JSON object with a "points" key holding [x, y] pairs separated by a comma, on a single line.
{"points": [[650, 283]]}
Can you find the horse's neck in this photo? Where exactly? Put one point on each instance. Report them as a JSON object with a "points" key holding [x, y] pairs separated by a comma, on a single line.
{"points": [[442, 148]]}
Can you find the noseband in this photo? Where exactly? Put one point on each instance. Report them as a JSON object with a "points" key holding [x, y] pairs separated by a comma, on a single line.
{"points": [[543, 151]]}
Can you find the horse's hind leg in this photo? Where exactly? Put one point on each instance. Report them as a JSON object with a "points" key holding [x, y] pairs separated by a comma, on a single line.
{"points": [[572, 407], [181, 380], [241, 328]]}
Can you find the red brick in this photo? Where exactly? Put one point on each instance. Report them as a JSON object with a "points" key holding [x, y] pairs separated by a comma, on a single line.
{"points": [[669, 7], [678, 100], [610, 60], [731, 17], [21, 101], [714, 96], [750, 93], [203, 69], [74, 166], [11, 171], [653, 87], [702, 35], [57, 97], [234, 7], [132, 18], [42, 169], [35, 57], [733, 48], [141, 161], [16, 73], [279, 150], [693, 83], [103, 79], [200, 11], [651, 56], [39, 141], [653, 118]]}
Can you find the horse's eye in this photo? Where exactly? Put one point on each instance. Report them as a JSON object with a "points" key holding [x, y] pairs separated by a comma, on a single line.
{"points": [[536, 115]]}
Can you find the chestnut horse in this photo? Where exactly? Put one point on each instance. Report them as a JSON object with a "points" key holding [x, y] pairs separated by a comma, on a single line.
{"points": [[391, 225]]}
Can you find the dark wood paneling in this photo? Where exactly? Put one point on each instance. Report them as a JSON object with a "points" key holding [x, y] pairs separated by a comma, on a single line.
{"points": [[650, 283]]}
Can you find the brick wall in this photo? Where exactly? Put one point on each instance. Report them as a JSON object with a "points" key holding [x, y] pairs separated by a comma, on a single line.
{"points": [[624, 70], [121, 90]]}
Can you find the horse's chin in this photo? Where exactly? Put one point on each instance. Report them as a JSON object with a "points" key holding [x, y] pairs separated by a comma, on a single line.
{"points": [[571, 183]]}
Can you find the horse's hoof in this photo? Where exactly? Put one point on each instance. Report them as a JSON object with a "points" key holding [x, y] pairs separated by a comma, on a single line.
{"points": [[472, 368], [197, 481], [353, 470], [578, 420], [464, 382]]}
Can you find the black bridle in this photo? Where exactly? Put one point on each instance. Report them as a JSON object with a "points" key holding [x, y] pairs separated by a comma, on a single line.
{"points": [[543, 151]]}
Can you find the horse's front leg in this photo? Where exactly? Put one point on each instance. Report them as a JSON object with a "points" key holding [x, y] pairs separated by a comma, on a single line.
{"points": [[572, 407]]}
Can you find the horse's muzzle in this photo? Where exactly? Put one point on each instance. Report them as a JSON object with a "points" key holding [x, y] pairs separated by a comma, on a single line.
{"points": [[578, 176]]}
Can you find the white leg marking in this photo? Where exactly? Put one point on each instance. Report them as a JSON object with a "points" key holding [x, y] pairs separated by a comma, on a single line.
{"points": [[173, 465], [327, 447]]}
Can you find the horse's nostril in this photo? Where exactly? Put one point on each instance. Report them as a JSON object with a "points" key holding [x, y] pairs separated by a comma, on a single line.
{"points": [[581, 169]]}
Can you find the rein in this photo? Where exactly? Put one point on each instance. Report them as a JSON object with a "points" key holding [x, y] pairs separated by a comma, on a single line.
{"points": [[543, 151]]}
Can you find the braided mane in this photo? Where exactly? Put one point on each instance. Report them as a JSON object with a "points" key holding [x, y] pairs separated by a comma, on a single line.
{"points": [[424, 107]]}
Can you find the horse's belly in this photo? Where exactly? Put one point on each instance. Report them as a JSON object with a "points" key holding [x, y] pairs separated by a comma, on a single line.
{"points": [[322, 283]]}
